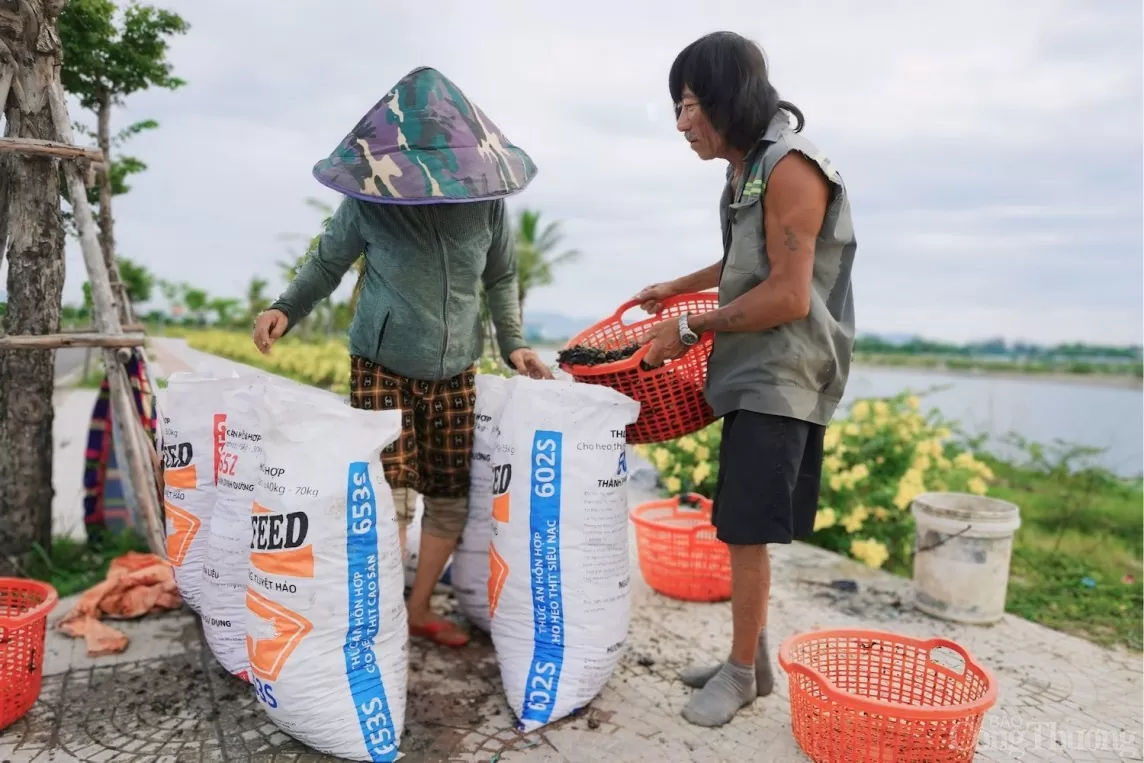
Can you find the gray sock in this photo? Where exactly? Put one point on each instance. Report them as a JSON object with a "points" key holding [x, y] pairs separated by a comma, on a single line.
{"points": [[697, 676], [717, 702]]}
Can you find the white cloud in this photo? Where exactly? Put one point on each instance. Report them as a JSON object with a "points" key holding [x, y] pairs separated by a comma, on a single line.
{"points": [[992, 150]]}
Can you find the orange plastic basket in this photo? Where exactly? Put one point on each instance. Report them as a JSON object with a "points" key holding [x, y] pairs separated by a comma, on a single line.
{"points": [[859, 695], [670, 396], [24, 608], [679, 554]]}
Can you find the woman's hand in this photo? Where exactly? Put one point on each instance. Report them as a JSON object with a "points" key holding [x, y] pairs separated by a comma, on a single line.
{"points": [[663, 343], [528, 363], [651, 299], [268, 329]]}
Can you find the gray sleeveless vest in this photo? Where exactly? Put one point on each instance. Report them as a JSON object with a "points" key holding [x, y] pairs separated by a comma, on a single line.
{"points": [[798, 370]]}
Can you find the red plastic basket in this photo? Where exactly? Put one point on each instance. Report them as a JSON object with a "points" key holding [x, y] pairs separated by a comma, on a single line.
{"points": [[24, 608], [671, 396], [859, 695], [679, 554]]}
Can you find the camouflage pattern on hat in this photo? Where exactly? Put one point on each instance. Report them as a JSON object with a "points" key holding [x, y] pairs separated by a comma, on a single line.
{"points": [[426, 143]]}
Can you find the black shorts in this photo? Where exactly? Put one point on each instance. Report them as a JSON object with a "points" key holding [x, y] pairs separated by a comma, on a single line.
{"points": [[770, 469]]}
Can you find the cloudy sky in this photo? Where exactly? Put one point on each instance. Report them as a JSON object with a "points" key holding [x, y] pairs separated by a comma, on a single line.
{"points": [[992, 149]]}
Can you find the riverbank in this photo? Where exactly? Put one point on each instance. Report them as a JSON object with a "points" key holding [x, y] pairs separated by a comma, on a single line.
{"points": [[1126, 376], [1099, 375]]}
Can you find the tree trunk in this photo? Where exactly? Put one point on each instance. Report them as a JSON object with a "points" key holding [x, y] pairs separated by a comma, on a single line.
{"points": [[5, 175], [35, 285], [106, 218], [7, 74]]}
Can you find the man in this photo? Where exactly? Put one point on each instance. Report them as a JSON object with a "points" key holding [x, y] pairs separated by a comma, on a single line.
{"points": [[784, 333], [424, 174]]}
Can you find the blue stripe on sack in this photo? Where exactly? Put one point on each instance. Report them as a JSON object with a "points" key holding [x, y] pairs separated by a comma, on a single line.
{"points": [[364, 618], [547, 588]]}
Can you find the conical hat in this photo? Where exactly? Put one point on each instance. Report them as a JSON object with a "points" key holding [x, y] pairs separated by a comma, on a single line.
{"points": [[426, 143]]}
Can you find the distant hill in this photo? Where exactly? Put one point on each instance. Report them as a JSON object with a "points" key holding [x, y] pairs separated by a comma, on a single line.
{"points": [[895, 339], [553, 327]]}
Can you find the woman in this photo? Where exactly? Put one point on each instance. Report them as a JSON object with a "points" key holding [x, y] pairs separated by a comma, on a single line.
{"points": [[784, 333], [424, 174]]}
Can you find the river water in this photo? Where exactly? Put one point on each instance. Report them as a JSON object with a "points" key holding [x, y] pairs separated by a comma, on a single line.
{"points": [[1041, 410]]}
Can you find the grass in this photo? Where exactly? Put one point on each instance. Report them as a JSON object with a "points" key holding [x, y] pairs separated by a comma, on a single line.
{"points": [[1080, 368], [1077, 556], [92, 379], [72, 566]]}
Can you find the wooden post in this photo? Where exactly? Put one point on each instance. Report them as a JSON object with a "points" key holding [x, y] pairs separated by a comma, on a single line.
{"points": [[33, 147], [56, 341], [125, 417], [7, 74], [103, 308]]}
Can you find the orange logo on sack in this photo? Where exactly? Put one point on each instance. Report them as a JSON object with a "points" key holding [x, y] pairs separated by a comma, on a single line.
{"points": [[274, 636], [502, 478], [498, 575], [278, 543], [500, 507], [219, 441], [184, 527], [181, 478]]}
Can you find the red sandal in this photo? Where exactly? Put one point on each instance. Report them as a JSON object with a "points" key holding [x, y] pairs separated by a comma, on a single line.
{"points": [[441, 632]]}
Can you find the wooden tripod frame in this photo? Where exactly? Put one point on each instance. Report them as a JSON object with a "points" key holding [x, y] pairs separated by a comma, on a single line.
{"points": [[110, 315]]}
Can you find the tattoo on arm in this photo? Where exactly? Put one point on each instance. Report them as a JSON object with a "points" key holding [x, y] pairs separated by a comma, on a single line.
{"points": [[791, 240], [724, 319]]}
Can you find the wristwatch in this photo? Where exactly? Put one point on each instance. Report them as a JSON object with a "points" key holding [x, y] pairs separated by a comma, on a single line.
{"points": [[688, 337]]}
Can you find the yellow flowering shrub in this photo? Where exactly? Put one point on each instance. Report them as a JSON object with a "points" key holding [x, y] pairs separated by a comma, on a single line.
{"points": [[689, 464], [877, 457], [319, 364]]}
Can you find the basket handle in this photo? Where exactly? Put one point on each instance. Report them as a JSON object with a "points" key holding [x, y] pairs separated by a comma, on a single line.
{"points": [[942, 643], [619, 315], [825, 687], [704, 505]]}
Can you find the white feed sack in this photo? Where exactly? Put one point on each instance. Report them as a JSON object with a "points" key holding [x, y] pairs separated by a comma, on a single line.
{"points": [[470, 577], [193, 423], [225, 563], [412, 553], [325, 614], [560, 574]]}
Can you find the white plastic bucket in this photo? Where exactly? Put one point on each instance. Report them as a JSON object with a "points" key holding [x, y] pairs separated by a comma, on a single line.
{"points": [[963, 547]]}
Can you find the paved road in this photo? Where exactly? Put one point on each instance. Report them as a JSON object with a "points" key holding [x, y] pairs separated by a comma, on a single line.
{"points": [[68, 359]]}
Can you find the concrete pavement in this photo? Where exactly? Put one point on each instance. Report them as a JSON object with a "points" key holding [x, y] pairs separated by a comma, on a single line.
{"points": [[69, 362], [166, 699], [73, 408]]}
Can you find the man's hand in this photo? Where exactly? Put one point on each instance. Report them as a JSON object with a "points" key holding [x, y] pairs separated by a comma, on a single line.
{"points": [[268, 329], [651, 299], [664, 342], [529, 364]]}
